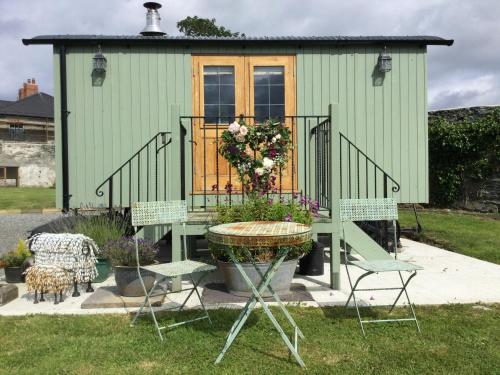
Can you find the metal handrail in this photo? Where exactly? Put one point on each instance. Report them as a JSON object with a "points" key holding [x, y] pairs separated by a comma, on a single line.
{"points": [[395, 185], [128, 163]]}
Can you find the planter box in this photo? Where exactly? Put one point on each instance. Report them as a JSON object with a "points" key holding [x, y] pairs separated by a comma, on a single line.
{"points": [[128, 283], [236, 284], [14, 274]]}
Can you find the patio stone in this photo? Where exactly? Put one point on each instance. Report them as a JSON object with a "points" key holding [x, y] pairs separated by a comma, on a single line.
{"points": [[108, 297], [216, 293], [8, 292]]}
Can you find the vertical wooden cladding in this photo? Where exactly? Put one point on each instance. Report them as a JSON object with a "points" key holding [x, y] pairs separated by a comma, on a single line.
{"points": [[108, 123], [387, 119]]}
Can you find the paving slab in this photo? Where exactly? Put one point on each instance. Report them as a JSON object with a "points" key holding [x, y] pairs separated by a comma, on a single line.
{"points": [[109, 297], [8, 292], [447, 278], [214, 293]]}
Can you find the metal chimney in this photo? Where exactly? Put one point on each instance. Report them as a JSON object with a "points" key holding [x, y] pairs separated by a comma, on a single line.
{"points": [[152, 20]]}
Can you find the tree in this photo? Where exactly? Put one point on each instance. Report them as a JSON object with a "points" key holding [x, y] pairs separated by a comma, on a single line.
{"points": [[195, 26]]}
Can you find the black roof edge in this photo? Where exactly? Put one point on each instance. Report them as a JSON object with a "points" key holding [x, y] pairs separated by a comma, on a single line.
{"points": [[339, 40]]}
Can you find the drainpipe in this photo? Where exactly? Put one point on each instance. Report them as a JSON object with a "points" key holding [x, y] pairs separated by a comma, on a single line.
{"points": [[64, 127]]}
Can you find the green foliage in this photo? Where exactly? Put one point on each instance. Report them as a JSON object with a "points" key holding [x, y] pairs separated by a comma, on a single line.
{"points": [[121, 252], [196, 26], [101, 228], [264, 209], [471, 234], [461, 150], [257, 152], [15, 258], [455, 339], [26, 198]]}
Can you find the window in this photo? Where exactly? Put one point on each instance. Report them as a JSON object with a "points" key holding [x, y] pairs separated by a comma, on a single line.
{"points": [[16, 132], [269, 92], [219, 104]]}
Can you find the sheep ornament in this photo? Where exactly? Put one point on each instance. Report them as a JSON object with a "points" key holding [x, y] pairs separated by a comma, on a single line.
{"points": [[60, 259]]}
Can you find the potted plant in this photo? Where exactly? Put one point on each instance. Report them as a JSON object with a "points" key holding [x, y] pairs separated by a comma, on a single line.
{"points": [[121, 254], [102, 229], [13, 261], [258, 153]]}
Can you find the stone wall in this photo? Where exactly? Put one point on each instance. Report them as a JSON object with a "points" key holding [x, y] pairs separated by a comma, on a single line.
{"points": [[36, 162], [477, 195]]}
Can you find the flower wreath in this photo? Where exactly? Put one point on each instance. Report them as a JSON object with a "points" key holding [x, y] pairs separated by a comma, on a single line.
{"points": [[257, 152]]}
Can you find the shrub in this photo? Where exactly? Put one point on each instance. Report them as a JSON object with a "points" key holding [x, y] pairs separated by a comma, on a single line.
{"points": [[466, 149], [15, 258], [101, 228], [121, 252]]}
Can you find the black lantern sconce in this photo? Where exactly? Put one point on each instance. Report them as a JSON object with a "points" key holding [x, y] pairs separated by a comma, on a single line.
{"points": [[99, 61], [384, 61]]}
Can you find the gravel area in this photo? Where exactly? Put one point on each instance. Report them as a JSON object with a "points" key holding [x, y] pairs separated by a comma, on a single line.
{"points": [[18, 226]]}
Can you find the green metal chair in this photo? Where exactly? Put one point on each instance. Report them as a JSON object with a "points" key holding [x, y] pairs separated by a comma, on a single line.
{"points": [[161, 213], [378, 261]]}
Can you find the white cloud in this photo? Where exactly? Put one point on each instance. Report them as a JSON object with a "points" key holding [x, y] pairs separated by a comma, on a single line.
{"points": [[468, 73]]}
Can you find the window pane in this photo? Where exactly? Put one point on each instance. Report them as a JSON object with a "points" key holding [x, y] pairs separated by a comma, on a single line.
{"points": [[277, 94], [226, 74], [211, 94], [226, 95], [219, 92], [227, 113], [211, 75], [276, 75], [211, 113], [260, 77], [261, 94], [261, 112], [277, 111], [269, 91]]}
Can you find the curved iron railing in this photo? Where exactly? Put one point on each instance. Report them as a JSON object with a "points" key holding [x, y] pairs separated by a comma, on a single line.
{"points": [[131, 178], [355, 183]]}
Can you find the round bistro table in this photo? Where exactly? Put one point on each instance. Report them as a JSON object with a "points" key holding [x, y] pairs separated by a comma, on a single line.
{"points": [[259, 234]]}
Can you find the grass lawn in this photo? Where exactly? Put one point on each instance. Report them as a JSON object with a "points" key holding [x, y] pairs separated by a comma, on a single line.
{"points": [[456, 339], [25, 198], [475, 235]]}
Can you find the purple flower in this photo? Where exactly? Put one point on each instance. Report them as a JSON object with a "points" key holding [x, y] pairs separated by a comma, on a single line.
{"points": [[214, 187], [270, 201], [229, 188], [288, 217]]}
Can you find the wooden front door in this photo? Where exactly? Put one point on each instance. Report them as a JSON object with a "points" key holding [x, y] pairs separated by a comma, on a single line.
{"points": [[225, 88]]}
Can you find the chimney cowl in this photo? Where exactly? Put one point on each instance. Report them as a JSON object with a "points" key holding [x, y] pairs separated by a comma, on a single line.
{"points": [[152, 20]]}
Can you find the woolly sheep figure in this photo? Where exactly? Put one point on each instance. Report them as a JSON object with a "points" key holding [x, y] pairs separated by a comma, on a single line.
{"points": [[47, 278]]}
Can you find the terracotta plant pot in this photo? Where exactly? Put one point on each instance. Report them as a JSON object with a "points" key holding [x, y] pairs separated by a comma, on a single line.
{"points": [[236, 285], [128, 283], [14, 274]]}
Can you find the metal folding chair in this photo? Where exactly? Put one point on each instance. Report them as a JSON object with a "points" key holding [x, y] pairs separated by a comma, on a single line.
{"points": [[375, 262], [161, 213]]}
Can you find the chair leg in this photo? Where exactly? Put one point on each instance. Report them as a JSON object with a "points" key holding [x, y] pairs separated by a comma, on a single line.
{"points": [[405, 284], [195, 287], [409, 302], [353, 289]]}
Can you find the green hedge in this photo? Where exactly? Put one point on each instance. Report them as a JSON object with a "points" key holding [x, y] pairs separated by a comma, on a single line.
{"points": [[459, 150]]}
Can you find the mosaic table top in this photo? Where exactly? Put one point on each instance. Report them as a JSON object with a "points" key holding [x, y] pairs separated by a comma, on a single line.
{"points": [[260, 233]]}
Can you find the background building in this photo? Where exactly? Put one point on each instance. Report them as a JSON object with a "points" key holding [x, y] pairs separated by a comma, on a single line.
{"points": [[27, 138]]}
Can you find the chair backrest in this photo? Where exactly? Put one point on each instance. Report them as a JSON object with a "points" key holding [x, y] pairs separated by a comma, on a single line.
{"points": [[159, 212], [368, 209]]}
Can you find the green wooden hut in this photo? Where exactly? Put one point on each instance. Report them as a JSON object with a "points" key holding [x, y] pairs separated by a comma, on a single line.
{"points": [[138, 118]]}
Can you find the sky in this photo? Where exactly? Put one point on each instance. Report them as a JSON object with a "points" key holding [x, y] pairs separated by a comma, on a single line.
{"points": [[466, 74]]}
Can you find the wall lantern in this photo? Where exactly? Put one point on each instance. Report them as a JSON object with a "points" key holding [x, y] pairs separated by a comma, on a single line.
{"points": [[384, 61], [99, 61]]}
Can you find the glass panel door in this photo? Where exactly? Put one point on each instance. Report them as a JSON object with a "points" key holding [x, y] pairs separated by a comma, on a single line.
{"points": [[225, 87]]}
